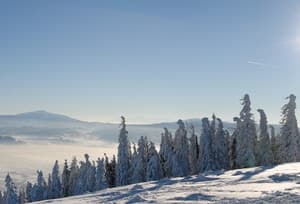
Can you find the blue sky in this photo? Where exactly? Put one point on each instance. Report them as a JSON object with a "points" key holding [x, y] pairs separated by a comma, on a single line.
{"points": [[148, 60]]}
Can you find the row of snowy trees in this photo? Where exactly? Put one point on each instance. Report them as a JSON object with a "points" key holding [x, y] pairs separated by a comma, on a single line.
{"points": [[181, 155]]}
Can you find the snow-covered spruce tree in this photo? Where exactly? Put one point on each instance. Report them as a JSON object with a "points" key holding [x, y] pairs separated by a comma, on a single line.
{"points": [[28, 192], [166, 152], [264, 148], [140, 161], [233, 146], [21, 196], [74, 177], [154, 168], [11, 194], [274, 146], [49, 187], [82, 186], [100, 175], [39, 189], [124, 152], [289, 134], [181, 148], [65, 180], [206, 153], [220, 148], [1, 198], [246, 138], [56, 184], [194, 152], [91, 178], [110, 171]]}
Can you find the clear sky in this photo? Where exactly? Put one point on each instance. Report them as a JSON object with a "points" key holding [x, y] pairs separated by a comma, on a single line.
{"points": [[151, 61]]}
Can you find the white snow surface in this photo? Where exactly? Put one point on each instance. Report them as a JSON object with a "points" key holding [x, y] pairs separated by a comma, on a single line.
{"points": [[279, 184]]}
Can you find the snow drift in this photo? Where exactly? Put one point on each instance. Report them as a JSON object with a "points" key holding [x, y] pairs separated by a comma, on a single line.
{"points": [[278, 184]]}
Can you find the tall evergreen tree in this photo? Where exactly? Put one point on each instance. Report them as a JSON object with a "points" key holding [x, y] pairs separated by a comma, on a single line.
{"points": [[28, 192], [91, 178], [123, 164], [65, 180], [181, 158], [289, 134], [84, 176], [274, 146], [194, 152], [206, 152], [154, 168], [220, 148], [74, 177], [232, 149], [141, 159], [56, 184], [39, 189], [264, 148], [166, 152], [49, 187], [110, 171], [100, 175], [1, 198], [21, 196], [11, 195], [246, 139]]}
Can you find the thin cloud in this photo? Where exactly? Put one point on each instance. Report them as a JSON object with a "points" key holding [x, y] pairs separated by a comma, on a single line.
{"points": [[262, 65]]}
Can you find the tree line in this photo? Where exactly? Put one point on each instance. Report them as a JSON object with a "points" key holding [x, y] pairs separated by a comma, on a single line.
{"points": [[180, 155]]}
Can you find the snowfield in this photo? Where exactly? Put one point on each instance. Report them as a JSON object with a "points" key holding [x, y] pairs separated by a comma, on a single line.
{"points": [[279, 184]]}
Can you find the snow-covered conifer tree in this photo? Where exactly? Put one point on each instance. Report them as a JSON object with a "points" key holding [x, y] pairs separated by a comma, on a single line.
{"points": [[154, 168], [220, 148], [91, 178], [100, 175], [194, 152], [11, 195], [123, 164], [246, 139], [166, 152], [181, 148], [264, 149], [289, 134], [21, 196], [65, 180], [1, 198], [274, 146], [74, 177], [232, 149], [82, 185], [110, 171], [56, 184], [39, 189], [49, 187], [28, 192], [140, 161], [206, 153]]}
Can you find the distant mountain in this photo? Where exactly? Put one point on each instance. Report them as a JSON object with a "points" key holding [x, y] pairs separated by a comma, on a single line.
{"points": [[44, 115], [9, 140], [42, 125]]}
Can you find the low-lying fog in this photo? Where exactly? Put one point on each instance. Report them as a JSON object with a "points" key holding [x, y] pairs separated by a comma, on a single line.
{"points": [[22, 160]]}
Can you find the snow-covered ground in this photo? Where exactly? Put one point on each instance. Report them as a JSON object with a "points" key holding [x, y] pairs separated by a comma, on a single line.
{"points": [[279, 184]]}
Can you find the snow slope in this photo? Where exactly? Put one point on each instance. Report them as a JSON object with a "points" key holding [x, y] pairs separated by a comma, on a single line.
{"points": [[279, 184]]}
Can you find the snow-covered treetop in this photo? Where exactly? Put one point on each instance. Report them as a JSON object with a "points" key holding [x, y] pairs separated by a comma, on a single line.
{"points": [[220, 124], [237, 120], [123, 125], [245, 112], [181, 124], [263, 120], [289, 108]]}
